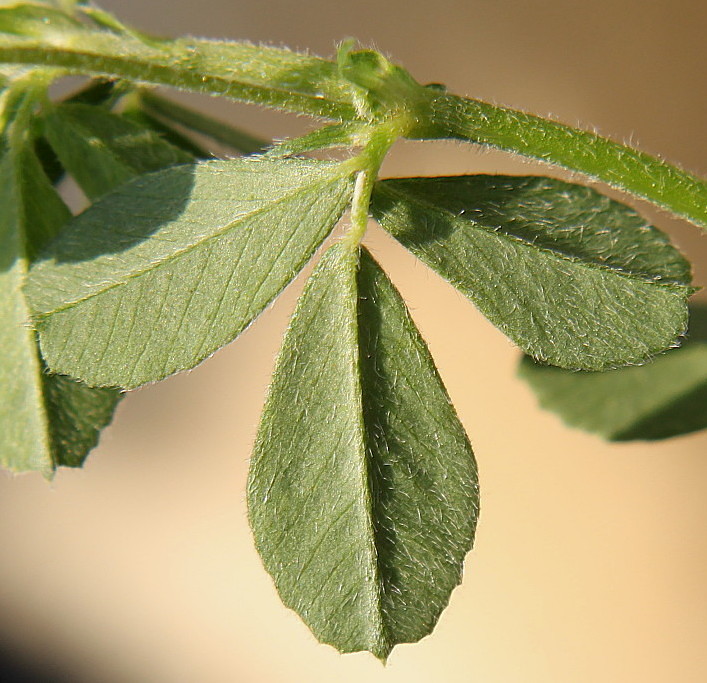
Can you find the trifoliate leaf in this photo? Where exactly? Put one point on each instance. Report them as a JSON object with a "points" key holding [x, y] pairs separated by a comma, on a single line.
{"points": [[102, 150], [664, 398], [45, 421], [574, 278], [363, 492], [159, 274]]}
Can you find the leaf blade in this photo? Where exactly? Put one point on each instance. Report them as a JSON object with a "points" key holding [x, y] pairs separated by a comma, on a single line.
{"points": [[102, 150], [76, 414], [23, 423], [663, 399], [573, 278], [420, 452], [365, 565], [240, 140], [45, 421], [178, 264]]}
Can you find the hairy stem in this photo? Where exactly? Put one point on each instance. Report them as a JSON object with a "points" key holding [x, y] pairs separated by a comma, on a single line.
{"points": [[381, 139], [622, 167], [301, 83], [261, 75]]}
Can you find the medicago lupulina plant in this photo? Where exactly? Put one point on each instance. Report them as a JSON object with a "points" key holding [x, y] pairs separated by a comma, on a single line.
{"points": [[363, 493]]}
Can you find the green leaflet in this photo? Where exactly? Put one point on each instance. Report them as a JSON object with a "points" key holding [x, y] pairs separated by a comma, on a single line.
{"points": [[664, 398], [326, 137], [166, 132], [574, 278], [97, 92], [167, 110], [76, 415], [159, 274], [102, 150], [362, 493], [45, 421]]}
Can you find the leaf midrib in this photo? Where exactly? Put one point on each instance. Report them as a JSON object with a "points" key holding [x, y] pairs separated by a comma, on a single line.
{"points": [[381, 640], [503, 233], [195, 245]]}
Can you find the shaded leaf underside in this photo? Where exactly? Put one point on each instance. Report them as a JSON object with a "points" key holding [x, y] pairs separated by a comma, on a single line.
{"points": [[102, 150], [362, 493]]}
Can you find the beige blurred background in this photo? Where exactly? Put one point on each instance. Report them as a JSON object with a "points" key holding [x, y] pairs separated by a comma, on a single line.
{"points": [[590, 561]]}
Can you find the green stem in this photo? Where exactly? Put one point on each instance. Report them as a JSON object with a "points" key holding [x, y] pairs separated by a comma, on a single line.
{"points": [[622, 167], [310, 85], [260, 75], [359, 207], [380, 140]]}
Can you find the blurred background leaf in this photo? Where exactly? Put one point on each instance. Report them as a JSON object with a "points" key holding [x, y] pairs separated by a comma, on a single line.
{"points": [[663, 398]]}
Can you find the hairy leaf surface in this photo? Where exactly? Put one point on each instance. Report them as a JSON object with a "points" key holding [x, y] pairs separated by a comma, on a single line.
{"points": [[665, 398], [45, 421], [574, 278], [363, 491], [159, 274], [102, 150], [326, 137]]}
